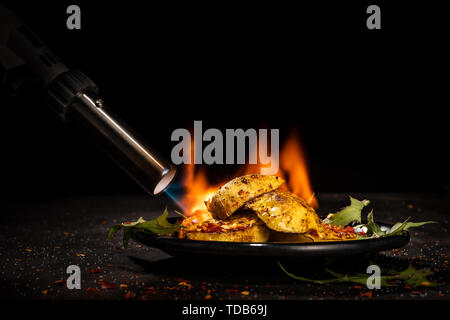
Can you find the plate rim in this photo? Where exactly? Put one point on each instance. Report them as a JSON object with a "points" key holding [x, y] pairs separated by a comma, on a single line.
{"points": [[176, 246]]}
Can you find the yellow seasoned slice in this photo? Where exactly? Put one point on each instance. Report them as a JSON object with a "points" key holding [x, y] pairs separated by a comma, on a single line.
{"points": [[241, 227], [276, 236], [234, 194], [256, 233], [285, 212]]}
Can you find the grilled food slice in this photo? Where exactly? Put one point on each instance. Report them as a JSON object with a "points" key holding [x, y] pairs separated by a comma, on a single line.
{"points": [[329, 232], [285, 212], [234, 194], [252, 234], [242, 227], [276, 236]]}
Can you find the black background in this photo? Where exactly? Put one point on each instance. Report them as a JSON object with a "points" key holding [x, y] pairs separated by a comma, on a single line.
{"points": [[369, 104]]}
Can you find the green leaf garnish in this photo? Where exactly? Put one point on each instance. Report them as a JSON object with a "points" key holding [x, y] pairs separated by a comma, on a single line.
{"points": [[410, 276], [399, 227], [372, 228], [353, 213], [348, 214], [158, 226]]}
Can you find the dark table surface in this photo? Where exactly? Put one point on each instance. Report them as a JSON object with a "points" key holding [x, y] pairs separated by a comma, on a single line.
{"points": [[39, 239]]}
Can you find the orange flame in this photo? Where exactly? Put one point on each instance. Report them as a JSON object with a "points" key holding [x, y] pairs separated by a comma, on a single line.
{"points": [[293, 164], [292, 168]]}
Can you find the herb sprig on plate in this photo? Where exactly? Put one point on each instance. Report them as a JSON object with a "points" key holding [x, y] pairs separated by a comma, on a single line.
{"points": [[352, 213], [158, 226]]}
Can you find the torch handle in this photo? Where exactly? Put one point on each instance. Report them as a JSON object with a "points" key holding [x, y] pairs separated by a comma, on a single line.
{"points": [[74, 97], [19, 39]]}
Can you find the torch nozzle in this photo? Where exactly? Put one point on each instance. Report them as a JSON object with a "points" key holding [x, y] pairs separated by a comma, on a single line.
{"points": [[123, 146]]}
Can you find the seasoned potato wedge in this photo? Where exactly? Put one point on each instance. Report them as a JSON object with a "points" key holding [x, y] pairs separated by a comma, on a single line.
{"points": [[234, 194], [241, 227], [276, 236], [285, 212], [256, 233]]}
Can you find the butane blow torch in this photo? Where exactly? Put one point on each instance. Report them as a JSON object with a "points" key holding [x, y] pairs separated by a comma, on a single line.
{"points": [[74, 97]]}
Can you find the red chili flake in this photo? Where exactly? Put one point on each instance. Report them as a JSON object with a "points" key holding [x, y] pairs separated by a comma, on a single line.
{"points": [[129, 295], [314, 233], [357, 287], [123, 285], [93, 290], [415, 292], [59, 282], [210, 227], [95, 270], [245, 293], [107, 285], [44, 292], [182, 283], [232, 291], [367, 294], [151, 290], [349, 229], [208, 296]]}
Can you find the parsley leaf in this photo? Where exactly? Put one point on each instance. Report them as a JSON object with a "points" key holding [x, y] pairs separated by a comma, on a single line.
{"points": [[158, 226], [348, 214]]}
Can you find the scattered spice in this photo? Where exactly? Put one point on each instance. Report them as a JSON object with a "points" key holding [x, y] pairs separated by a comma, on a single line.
{"points": [[95, 270], [59, 282], [367, 294], [129, 295], [183, 283], [245, 293], [107, 285], [93, 290], [44, 292], [208, 296]]}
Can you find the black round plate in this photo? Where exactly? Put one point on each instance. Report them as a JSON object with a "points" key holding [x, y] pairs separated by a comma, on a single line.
{"points": [[183, 247]]}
